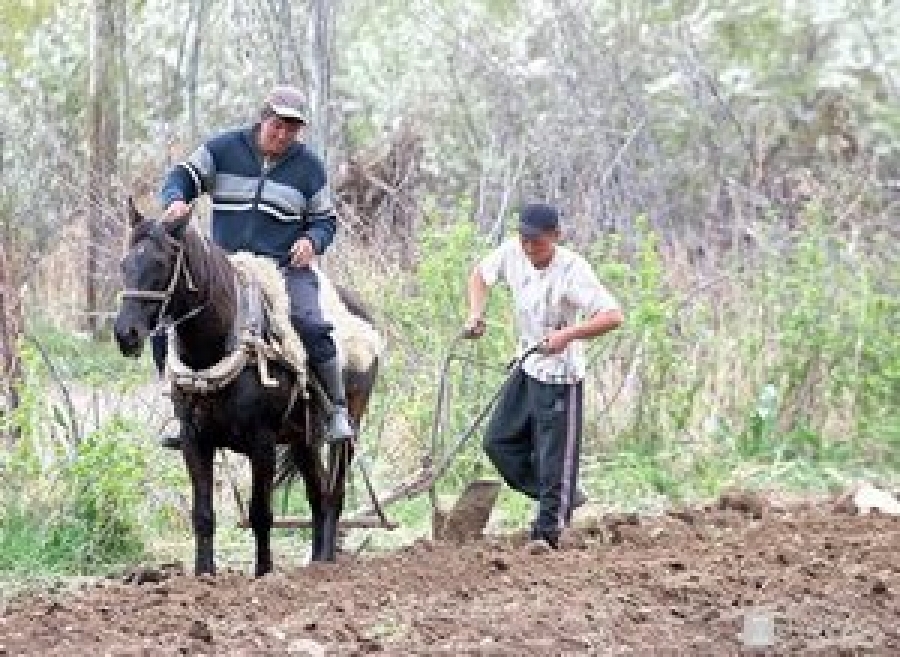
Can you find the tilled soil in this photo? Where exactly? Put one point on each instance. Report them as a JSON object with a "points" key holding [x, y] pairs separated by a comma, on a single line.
{"points": [[684, 583]]}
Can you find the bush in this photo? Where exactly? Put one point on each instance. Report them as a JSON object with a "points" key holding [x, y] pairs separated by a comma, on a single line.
{"points": [[81, 516]]}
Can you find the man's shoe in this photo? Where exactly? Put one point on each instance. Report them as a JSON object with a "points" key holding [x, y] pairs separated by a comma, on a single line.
{"points": [[538, 546], [579, 499], [331, 377], [340, 428], [172, 441], [549, 539]]}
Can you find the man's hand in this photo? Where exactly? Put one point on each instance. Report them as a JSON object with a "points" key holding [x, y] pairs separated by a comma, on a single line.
{"points": [[177, 210], [302, 253], [474, 328]]}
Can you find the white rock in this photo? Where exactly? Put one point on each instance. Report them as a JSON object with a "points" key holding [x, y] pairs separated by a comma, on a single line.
{"points": [[866, 498]]}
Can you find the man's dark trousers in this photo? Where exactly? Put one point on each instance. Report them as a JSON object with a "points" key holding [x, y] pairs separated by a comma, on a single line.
{"points": [[534, 440], [306, 314]]}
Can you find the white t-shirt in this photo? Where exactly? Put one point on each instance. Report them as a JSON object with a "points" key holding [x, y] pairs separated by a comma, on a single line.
{"points": [[559, 295]]}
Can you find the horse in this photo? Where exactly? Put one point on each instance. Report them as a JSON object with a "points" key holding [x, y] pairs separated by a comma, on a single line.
{"points": [[175, 278]]}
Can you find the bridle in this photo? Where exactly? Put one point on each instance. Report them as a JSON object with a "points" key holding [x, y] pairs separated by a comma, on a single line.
{"points": [[164, 297]]}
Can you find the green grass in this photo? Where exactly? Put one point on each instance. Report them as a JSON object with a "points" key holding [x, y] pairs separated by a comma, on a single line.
{"points": [[34, 541], [81, 359]]}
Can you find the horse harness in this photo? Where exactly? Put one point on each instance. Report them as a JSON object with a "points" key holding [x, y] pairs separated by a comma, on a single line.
{"points": [[251, 341], [165, 296]]}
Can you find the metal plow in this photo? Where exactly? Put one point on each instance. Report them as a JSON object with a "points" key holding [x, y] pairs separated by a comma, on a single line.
{"points": [[469, 515]]}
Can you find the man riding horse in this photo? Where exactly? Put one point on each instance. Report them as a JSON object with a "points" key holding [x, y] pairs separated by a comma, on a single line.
{"points": [[270, 197]]}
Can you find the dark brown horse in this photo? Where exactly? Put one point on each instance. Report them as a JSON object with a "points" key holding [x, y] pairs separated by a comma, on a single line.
{"points": [[174, 275]]}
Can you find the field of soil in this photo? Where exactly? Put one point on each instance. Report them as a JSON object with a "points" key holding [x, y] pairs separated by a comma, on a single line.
{"points": [[704, 581]]}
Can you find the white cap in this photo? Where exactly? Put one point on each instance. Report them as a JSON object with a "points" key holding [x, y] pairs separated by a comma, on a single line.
{"points": [[288, 102]]}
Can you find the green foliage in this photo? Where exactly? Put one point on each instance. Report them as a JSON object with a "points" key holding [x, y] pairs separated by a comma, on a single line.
{"points": [[52, 359], [79, 358], [653, 326], [833, 325], [106, 479], [87, 519], [74, 500], [428, 314], [17, 21]]}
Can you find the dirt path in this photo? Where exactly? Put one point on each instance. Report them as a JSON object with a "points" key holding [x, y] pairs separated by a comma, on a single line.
{"points": [[679, 584]]}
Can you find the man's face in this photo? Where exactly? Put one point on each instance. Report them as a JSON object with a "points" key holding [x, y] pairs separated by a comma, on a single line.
{"points": [[277, 134], [539, 250]]}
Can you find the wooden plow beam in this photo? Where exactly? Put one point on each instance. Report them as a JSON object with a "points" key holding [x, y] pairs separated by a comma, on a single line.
{"points": [[306, 523]]}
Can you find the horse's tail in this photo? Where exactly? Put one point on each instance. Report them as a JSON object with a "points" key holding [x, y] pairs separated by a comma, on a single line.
{"points": [[292, 458]]}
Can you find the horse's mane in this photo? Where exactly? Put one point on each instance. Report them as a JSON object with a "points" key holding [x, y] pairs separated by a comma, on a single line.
{"points": [[210, 268]]}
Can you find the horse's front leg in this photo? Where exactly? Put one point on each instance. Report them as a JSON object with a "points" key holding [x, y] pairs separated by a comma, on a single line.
{"points": [[199, 462], [262, 467]]}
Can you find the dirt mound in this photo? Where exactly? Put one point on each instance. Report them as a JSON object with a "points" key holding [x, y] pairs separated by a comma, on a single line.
{"points": [[683, 583]]}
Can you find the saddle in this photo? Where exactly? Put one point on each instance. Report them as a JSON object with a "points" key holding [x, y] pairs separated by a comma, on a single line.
{"points": [[263, 333]]}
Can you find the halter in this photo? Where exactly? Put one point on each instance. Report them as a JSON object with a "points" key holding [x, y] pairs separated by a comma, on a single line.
{"points": [[165, 296]]}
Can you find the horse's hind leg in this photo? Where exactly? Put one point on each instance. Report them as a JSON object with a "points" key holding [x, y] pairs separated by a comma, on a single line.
{"points": [[262, 467], [339, 456], [199, 462], [309, 464]]}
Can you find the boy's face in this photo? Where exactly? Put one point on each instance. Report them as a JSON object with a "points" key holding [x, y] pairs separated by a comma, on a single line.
{"points": [[540, 249]]}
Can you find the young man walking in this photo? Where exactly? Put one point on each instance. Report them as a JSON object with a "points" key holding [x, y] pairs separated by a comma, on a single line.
{"points": [[533, 437]]}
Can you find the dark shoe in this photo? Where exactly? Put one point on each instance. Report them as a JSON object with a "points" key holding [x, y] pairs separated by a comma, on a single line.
{"points": [[551, 539], [172, 441], [538, 546], [340, 428], [579, 499]]}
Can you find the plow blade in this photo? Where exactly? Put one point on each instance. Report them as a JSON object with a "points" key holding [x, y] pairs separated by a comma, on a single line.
{"points": [[467, 518]]}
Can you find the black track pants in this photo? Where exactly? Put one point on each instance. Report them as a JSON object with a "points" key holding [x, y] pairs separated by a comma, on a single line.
{"points": [[534, 440]]}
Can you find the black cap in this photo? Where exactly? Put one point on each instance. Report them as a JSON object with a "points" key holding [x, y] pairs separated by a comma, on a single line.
{"points": [[536, 219]]}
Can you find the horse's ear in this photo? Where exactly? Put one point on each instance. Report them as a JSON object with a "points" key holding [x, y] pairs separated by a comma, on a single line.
{"points": [[134, 217]]}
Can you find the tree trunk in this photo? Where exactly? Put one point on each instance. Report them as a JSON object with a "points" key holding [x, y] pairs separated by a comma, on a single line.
{"points": [[198, 13], [103, 118], [321, 25], [10, 331], [279, 26]]}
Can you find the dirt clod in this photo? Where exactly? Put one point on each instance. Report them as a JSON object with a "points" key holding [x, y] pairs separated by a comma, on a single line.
{"points": [[200, 631]]}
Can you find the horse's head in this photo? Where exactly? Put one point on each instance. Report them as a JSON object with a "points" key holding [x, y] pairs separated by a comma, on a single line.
{"points": [[150, 270]]}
